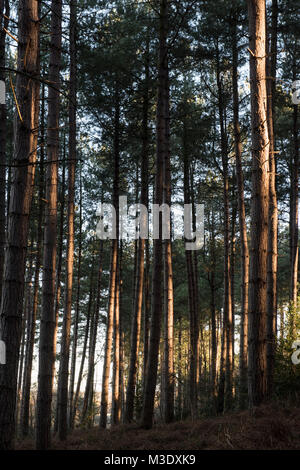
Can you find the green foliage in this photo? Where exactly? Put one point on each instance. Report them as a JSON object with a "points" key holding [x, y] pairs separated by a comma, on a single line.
{"points": [[287, 374]]}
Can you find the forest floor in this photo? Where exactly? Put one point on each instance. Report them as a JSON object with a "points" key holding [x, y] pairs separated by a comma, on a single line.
{"points": [[270, 427]]}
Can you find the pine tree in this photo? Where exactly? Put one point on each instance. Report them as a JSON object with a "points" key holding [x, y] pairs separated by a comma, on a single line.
{"points": [[24, 157], [259, 204], [47, 326]]}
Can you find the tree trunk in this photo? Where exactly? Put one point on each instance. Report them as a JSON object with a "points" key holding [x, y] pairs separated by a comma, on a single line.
{"points": [[25, 405], [193, 324], [232, 262], [137, 312], [65, 346], [46, 356], [113, 269], [76, 319], [259, 204], [294, 216], [243, 388], [58, 274], [179, 371], [168, 365], [198, 326], [116, 398], [147, 309], [27, 93], [161, 149], [213, 314], [221, 385], [27, 308], [273, 211], [93, 339], [3, 27], [227, 279], [85, 342]]}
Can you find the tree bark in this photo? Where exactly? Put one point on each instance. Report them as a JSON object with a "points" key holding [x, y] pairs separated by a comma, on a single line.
{"points": [[193, 324], [243, 386], [137, 307], [259, 204], [65, 346], [58, 272], [214, 344], [168, 365], [227, 279], [273, 211], [85, 342], [93, 339], [24, 156], [116, 398], [294, 204], [4, 7], [25, 404], [113, 269], [76, 319], [46, 356], [161, 149]]}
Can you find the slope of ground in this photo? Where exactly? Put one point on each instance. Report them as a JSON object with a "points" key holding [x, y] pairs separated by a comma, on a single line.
{"points": [[270, 427]]}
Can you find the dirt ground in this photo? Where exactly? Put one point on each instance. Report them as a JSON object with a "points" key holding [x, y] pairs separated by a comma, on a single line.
{"points": [[270, 427]]}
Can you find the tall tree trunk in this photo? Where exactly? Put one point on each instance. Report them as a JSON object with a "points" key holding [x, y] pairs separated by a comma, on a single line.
{"points": [[259, 204], [85, 342], [135, 334], [213, 314], [193, 324], [243, 388], [24, 156], [137, 312], [65, 346], [4, 7], [113, 269], [227, 279], [198, 326], [46, 356], [145, 184], [76, 319], [179, 370], [25, 405], [116, 398], [85, 412], [168, 365], [232, 263], [294, 216], [109, 336], [122, 339], [273, 211], [93, 338], [59, 261], [161, 149], [221, 385], [147, 310], [25, 325]]}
